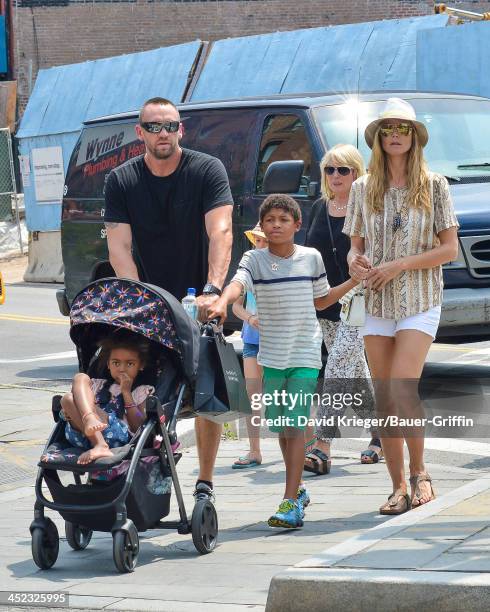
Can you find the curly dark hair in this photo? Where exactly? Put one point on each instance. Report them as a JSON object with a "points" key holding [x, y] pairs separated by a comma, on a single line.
{"points": [[123, 339], [281, 201]]}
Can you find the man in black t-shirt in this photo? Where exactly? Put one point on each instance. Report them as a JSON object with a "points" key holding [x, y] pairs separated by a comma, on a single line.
{"points": [[168, 219]]}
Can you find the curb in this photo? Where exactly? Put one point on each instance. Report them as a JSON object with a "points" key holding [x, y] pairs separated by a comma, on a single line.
{"points": [[326, 588], [357, 590]]}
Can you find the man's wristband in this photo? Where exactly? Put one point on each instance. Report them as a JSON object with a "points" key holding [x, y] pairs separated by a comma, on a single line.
{"points": [[210, 289]]}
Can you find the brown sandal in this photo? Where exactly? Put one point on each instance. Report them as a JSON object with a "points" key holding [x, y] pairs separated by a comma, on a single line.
{"points": [[414, 483], [398, 503]]}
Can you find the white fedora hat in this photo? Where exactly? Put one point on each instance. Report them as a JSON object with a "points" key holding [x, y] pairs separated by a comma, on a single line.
{"points": [[396, 108]]}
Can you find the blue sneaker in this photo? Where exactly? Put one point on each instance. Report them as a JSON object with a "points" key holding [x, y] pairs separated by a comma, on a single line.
{"points": [[303, 499], [288, 515]]}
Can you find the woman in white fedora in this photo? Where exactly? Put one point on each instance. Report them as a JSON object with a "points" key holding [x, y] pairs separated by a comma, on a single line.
{"points": [[403, 229]]}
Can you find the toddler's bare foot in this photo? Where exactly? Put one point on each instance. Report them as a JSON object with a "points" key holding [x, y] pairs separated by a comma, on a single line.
{"points": [[94, 453], [92, 424]]}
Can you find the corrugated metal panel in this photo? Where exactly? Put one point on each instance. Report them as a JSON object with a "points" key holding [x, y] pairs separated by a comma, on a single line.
{"points": [[59, 104], [373, 55], [443, 66], [45, 217]]}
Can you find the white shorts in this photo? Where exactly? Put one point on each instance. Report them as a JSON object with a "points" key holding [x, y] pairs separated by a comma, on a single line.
{"points": [[426, 322]]}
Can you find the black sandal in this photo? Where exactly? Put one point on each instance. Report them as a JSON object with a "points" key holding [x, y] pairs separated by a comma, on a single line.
{"points": [[371, 456], [321, 462]]}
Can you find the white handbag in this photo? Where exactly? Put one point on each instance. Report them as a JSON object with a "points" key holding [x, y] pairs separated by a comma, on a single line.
{"points": [[353, 307]]}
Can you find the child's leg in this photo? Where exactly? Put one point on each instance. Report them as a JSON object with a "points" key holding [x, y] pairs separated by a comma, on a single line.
{"points": [[253, 379], [292, 441], [84, 402]]}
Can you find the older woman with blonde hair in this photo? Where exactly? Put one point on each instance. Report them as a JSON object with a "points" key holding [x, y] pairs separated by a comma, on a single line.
{"points": [[340, 166], [403, 228]]}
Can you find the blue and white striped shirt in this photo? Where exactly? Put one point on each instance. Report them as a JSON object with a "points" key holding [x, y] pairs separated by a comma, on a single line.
{"points": [[290, 335]]}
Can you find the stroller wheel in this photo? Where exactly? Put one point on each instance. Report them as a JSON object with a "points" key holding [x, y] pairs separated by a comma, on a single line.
{"points": [[204, 526], [125, 549], [77, 537], [45, 545]]}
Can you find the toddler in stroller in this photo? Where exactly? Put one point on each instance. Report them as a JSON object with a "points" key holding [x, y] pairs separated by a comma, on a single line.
{"points": [[103, 413], [149, 350]]}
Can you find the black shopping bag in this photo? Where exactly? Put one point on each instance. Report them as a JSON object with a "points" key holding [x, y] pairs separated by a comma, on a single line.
{"points": [[220, 392]]}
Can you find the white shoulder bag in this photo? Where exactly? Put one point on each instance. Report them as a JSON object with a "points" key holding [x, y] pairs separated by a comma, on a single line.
{"points": [[353, 307]]}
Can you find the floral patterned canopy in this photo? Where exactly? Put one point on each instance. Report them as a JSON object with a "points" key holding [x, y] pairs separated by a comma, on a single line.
{"points": [[143, 309]]}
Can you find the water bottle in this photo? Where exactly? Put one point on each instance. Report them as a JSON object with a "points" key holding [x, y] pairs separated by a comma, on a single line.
{"points": [[189, 303]]}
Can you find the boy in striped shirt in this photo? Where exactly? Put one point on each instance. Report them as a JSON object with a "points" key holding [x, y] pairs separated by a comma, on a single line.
{"points": [[289, 282]]}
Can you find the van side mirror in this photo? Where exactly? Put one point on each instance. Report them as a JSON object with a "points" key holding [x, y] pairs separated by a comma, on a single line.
{"points": [[283, 176]]}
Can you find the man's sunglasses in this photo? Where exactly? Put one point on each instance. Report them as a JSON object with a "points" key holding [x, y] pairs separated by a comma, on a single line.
{"points": [[155, 128], [342, 170], [404, 129]]}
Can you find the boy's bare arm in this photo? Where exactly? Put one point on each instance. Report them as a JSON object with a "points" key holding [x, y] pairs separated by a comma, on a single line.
{"points": [[217, 310], [334, 294], [239, 310]]}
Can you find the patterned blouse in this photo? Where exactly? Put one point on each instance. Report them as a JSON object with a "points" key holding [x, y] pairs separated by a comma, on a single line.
{"points": [[413, 291]]}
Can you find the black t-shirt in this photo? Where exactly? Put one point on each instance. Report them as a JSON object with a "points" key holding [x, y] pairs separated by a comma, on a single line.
{"points": [[166, 214], [318, 237]]}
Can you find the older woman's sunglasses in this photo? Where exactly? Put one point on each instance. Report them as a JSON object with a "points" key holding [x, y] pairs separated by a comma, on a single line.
{"points": [[155, 128], [342, 170], [404, 129]]}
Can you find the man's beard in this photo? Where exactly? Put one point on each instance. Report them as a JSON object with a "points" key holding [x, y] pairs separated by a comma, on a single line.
{"points": [[164, 154]]}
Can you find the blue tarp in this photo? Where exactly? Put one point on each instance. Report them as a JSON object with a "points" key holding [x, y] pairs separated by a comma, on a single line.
{"points": [[455, 60], [66, 96], [3, 45], [368, 56]]}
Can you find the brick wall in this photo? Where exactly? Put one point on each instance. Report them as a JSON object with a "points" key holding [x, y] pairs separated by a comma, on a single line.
{"points": [[47, 35]]}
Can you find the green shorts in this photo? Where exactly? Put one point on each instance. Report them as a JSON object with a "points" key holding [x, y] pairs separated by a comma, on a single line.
{"points": [[287, 396]]}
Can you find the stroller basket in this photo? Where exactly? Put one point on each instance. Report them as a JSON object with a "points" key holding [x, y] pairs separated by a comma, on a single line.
{"points": [[147, 502]]}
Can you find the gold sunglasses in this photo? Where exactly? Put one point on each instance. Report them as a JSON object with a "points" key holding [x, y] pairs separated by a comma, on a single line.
{"points": [[403, 129]]}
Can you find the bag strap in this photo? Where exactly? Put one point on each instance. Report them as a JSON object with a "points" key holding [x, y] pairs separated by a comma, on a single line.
{"points": [[334, 248]]}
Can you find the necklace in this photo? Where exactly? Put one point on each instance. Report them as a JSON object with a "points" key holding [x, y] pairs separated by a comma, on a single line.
{"points": [[275, 265], [338, 208]]}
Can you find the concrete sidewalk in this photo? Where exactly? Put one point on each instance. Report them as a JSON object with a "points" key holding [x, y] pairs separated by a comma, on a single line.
{"points": [[341, 520], [436, 557]]}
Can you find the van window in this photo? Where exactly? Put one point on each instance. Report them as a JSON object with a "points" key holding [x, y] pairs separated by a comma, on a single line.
{"points": [[284, 137], [99, 149], [223, 134]]}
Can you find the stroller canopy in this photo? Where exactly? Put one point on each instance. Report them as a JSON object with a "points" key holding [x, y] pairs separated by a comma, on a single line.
{"points": [[143, 309]]}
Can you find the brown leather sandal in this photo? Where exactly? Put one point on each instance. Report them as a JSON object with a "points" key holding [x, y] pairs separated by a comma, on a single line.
{"points": [[398, 503], [414, 483]]}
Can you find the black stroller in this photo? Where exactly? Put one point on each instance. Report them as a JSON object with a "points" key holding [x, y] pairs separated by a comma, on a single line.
{"points": [[138, 497]]}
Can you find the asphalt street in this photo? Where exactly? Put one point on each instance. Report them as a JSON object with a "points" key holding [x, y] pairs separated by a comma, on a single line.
{"points": [[37, 353]]}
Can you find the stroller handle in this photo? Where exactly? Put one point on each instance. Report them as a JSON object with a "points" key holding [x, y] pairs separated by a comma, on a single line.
{"points": [[211, 328]]}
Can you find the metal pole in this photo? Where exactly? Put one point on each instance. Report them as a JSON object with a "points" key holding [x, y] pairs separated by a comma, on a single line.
{"points": [[14, 186], [17, 216]]}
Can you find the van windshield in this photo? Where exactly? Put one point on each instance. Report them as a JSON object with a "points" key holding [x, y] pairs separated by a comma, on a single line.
{"points": [[459, 131]]}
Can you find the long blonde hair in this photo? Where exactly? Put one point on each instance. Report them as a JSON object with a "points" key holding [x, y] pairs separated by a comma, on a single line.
{"points": [[342, 155], [378, 182]]}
